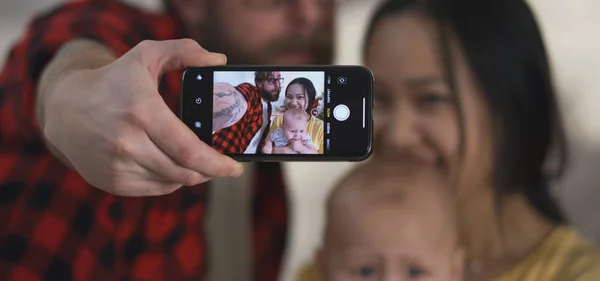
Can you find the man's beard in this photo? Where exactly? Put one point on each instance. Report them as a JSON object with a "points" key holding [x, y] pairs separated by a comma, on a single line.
{"points": [[320, 46], [268, 96]]}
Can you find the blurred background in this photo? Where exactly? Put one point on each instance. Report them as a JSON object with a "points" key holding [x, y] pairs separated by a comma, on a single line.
{"points": [[569, 28]]}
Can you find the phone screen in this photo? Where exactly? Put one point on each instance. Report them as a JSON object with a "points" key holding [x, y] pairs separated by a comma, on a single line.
{"points": [[308, 113]]}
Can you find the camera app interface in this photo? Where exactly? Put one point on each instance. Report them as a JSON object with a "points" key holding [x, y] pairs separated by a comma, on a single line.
{"points": [[278, 112]]}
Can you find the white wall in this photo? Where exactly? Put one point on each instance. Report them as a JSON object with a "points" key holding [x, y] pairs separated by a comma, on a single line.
{"points": [[236, 78]]}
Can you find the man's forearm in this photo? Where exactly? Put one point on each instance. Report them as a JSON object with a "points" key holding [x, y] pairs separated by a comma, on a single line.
{"points": [[229, 106], [80, 54]]}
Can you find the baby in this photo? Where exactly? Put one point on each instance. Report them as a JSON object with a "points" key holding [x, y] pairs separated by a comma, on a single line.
{"points": [[292, 137], [389, 223]]}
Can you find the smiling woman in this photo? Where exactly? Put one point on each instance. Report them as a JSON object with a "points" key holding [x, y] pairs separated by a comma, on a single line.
{"points": [[300, 94], [464, 89]]}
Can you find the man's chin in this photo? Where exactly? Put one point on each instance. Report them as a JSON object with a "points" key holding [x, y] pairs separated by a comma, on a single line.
{"points": [[296, 58], [274, 98]]}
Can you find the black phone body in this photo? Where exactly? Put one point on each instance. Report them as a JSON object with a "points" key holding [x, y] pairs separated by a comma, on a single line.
{"points": [[239, 111]]}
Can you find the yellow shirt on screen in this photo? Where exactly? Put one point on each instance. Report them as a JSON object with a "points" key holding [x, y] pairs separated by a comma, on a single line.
{"points": [[314, 128], [563, 256]]}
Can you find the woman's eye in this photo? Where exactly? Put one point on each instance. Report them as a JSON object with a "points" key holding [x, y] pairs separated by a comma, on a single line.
{"points": [[433, 98], [380, 100], [414, 272], [365, 271]]}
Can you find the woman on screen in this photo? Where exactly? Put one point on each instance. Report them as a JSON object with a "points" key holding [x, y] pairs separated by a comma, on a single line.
{"points": [[301, 94]]}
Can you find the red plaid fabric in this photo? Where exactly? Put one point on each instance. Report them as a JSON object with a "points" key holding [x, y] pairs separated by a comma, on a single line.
{"points": [[270, 220], [55, 226], [236, 138]]}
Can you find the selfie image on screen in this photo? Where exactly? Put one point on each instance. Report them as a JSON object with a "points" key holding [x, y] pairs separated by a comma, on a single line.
{"points": [[268, 112]]}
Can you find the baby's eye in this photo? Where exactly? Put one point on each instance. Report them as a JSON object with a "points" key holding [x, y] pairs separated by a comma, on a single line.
{"points": [[365, 271], [414, 271]]}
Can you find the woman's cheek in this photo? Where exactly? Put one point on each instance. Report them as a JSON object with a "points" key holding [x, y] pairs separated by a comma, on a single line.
{"points": [[443, 133], [378, 124]]}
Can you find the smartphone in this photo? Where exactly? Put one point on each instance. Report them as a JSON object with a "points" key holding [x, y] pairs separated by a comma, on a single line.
{"points": [[281, 113]]}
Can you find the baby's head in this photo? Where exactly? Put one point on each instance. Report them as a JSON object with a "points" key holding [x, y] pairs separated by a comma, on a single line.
{"points": [[390, 223], [294, 124]]}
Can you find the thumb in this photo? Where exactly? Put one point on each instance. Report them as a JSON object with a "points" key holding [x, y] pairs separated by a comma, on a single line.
{"points": [[170, 55]]}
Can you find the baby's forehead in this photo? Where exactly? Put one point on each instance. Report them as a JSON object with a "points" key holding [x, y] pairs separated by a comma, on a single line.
{"points": [[370, 186]]}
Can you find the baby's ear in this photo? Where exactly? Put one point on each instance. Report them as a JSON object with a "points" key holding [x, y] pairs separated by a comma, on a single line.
{"points": [[458, 264]]}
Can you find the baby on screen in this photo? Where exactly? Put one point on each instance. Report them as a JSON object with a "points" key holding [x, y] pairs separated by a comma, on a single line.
{"points": [[389, 223], [292, 137]]}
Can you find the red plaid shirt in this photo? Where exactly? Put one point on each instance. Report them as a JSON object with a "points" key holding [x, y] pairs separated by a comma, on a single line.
{"points": [[236, 138], [55, 226]]}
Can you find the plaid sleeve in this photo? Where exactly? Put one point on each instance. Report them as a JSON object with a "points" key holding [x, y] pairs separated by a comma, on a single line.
{"points": [[270, 216], [102, 21], [236, 138]]}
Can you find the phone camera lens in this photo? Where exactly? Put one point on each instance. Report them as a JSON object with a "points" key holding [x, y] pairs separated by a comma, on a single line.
{"points": [[342, 80]]}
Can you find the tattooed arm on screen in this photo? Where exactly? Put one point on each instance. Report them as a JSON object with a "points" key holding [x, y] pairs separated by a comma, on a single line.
{"points": [[228, 106]]}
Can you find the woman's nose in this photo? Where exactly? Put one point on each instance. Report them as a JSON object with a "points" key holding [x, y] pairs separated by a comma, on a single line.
{"points": [[403, 129]]}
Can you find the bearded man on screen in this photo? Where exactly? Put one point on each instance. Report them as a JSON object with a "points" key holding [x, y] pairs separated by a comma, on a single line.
{"points": [[242, 114]]}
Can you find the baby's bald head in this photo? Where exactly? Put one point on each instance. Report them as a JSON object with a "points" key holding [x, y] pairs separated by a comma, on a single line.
{"points": [[376, 183], [387, 211]]}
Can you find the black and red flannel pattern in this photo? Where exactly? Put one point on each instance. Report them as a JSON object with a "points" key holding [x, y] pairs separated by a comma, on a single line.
{"points": [[55, 226], [236, 138]]}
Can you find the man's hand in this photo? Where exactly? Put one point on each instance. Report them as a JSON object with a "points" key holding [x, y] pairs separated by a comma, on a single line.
{"points": [[115, 129], [297, 146], [303, 147], [283, 150]]}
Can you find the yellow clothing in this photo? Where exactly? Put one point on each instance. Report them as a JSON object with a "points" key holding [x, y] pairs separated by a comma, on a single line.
{"points": [[309, 273], [563, 256], [314, 128]]}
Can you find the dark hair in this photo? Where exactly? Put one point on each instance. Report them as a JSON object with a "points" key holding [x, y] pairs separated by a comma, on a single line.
{"points": [[309, 87], [505, 50], [262, 75]]}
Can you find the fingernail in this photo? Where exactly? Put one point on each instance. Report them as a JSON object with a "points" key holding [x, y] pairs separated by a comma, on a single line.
{"points": [[220, 55], [238, 169]]}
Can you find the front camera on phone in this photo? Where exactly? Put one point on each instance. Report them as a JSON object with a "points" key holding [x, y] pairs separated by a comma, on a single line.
{"points": [[342, 80], [198, 125], [199, 77]]}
